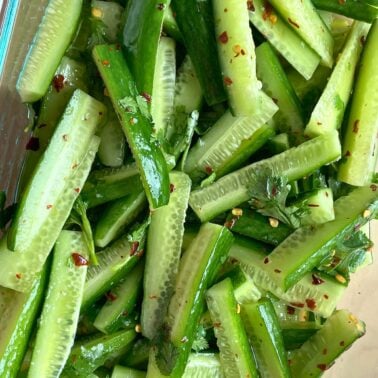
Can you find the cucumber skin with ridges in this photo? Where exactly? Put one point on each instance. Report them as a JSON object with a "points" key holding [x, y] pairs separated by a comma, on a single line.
{"points": [[140, 37], [302, 57], [358, 166], [60, 19], [337, 334], [195, 20], [235, 354], [60, 313], [126, 100], [12, 350], [329, 111], [232, 189], [27, 265], [304, 19], [251, 255], [164, 242], [286, 266], [236, 52]]}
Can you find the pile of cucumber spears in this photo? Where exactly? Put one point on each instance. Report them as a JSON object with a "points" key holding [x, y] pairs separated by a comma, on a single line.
{"points": [[195, 189]]}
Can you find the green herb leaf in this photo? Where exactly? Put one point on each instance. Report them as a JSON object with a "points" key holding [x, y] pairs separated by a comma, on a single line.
{"points": [[200, 343]]}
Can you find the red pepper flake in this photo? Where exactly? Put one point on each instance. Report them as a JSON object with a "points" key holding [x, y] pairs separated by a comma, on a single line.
{"points": [[313, 205], [125, 313], [297, 304], [223, 38], [293, 23], [160, 6], [250, 6], [373, 187], [33, 144], [42, 125], [342, 2], [79, 260], [325, 296], [342, 343], [65, 137], [277, 271], [208, 170], [274, 191], [322, 367], [268, 10], [110, 296], [147, 97], [227, 81], [18, 275], [356, 126], [316, 280], [134, 248], [171, 188], [152, 296], [266, 260], [230, 223], [106, 63], [58, 82], [290, 310], [217, 324], [290, 362], [48, 207], [311, 304], [325, 351], [77, 190], [347, 154], [362, 40]]}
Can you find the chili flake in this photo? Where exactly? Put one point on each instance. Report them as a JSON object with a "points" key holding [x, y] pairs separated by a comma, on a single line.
{"points": [[58, 82], [223, 38], [79, 260], [33, 144], [227, 80], [293, 23]]}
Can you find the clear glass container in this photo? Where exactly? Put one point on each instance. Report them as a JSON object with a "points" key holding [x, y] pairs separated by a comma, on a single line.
{"points": [[18, 22]]}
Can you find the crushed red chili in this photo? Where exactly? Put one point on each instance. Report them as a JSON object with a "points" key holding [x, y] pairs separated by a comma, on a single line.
{"points": [[32, 144], [293, 23], [134, 248], [18, 276], [79, 260], [58, 82], [223, 38], [316, 280], [268, 10], [356, 126], [290, 310], [110, 296], [311, 304], [146, 96], [160, 6], [322, 367], [227, 80], [266, 260], [250, 5], [297, 304], [171, 188]]}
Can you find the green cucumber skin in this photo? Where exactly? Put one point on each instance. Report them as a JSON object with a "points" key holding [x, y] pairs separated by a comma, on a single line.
{"points": [[117, 216], [87, 356], [140, 37], [264, 332], [126, 372], [319, 352], [109, 184], [46, 51], [232, 189], [147, 153], [235, 354], [302, 57], [114, 263], [251, 255], [304, 19], [170, 26], [294, 338], [238, 67], [137, 357], [164, 243], [28, 265], [286, 267], [206, 364], [256, 226], [329, 111], [289, 117], [60, 313], [355, 9], [18, 331], [195, 20], [358, 166]]}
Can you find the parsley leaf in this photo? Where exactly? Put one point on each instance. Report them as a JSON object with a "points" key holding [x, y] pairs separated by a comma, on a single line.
{"points": [[200, 343]]}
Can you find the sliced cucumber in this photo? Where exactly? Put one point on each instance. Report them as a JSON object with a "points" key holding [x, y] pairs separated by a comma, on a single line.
{"points": [[230, 142], [264, 332], [60, 313], [54, 34], [163, 91], [285, 40], [304, 19], [164, 244], [170, 26], [18, 312], [121, 301], [114, 263], [237, 58], [307, 246], [329, 111], [235, 354], [232, 189], [360, 148], [126, 372], [304, 294], [289, 117], [117, 216], [318, 353], [27, 265], [203, 365], [137, 356], [111, 183], [87, 356]]}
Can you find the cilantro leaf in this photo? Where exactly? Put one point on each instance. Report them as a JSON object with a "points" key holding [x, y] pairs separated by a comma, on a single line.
{"points": [[200, 343]]}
